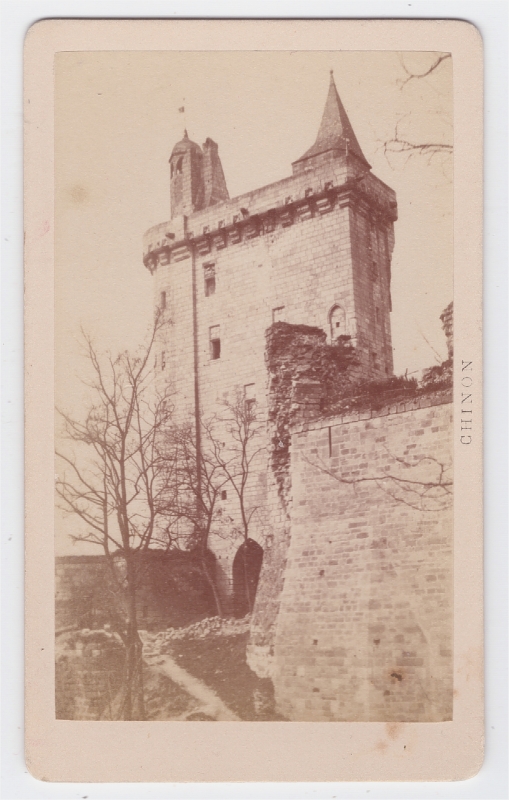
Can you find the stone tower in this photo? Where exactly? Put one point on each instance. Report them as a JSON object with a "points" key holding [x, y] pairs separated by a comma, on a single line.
{"points": [[314, 248], [369, 228]]}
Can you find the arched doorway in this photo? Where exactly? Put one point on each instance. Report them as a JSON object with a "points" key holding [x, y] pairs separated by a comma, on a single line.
{"points": [[337, 320], [245, 573]]}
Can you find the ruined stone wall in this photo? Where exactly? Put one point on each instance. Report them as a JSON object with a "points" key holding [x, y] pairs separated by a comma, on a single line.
{"points": [[89, 669], [447, 323], [302, 368], [171, 591], [80, 585], [364, 628]]}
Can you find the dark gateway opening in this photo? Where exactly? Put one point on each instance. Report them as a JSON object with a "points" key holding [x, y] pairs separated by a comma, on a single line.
{"points": [[246, 571]]}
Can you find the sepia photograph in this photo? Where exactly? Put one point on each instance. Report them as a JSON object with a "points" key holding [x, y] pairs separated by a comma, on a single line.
{"points": [[253, 386]]}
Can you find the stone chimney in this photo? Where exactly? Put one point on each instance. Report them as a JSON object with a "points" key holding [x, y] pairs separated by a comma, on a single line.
{"points": [[214, 183]]}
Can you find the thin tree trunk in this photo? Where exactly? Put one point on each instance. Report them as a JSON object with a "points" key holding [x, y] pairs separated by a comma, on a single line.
{"points": [[134, 700], [246, 582], [213, 586]]}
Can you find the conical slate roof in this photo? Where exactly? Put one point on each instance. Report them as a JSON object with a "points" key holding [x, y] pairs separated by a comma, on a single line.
{"points": [[336, 132]]}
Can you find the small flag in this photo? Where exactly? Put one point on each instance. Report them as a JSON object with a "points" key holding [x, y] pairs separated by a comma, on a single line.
{"points": [[181, 110]]}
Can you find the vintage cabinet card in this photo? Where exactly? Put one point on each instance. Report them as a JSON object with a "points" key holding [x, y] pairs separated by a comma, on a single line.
{"points": [[253, 348]]}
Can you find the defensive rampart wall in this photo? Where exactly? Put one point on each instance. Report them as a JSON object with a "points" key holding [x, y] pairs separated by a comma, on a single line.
{"points": [[362, 628]]}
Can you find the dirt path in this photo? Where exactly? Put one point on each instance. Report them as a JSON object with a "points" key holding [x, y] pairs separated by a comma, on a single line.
{"points": [[211, 704]]}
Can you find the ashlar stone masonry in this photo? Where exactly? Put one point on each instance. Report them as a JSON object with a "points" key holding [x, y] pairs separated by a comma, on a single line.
{"points": [[364, 625], [314, 248]]}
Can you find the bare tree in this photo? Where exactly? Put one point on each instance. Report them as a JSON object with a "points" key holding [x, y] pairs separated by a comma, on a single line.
{"points": [[241, 450], [243, 446], [404, 140], [204, 466], [114, 477], [199, 481]]}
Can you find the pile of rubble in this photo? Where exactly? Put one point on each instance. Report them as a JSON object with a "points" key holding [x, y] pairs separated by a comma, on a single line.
{"points": [[154, 643]]}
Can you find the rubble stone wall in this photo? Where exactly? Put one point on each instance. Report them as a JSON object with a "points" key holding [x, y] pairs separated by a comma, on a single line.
{"points": [[171, 591]]}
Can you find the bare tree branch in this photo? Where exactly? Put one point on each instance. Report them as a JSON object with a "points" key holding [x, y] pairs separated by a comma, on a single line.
{"points": [[431, 494], [418, 75], [403, 143]]}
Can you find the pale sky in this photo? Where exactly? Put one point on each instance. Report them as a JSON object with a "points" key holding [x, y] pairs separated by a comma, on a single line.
{"points": [[117, 121]]}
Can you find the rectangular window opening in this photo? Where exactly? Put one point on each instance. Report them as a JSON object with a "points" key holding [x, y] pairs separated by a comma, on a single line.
{"points": [[210, 286], [278, 314], [215, 342], [224, 495], [163, 360], [215, 349], [163, 300], [209, 272]]}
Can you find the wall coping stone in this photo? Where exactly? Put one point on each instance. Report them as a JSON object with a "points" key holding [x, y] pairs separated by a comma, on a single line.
{"points": [[442, 397]]}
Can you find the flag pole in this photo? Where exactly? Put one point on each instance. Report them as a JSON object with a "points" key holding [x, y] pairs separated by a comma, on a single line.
{"points": [[182, 110]]}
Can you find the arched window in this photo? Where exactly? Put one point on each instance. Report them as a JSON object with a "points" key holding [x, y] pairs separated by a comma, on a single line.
{"points": [[337, 320]]}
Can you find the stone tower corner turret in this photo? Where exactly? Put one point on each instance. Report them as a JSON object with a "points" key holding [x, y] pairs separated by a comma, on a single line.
{"points": [[196, 177], [186, 177]]}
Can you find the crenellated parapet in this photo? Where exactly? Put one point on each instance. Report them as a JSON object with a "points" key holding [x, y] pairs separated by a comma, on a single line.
{"points": [[233, 223]]}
